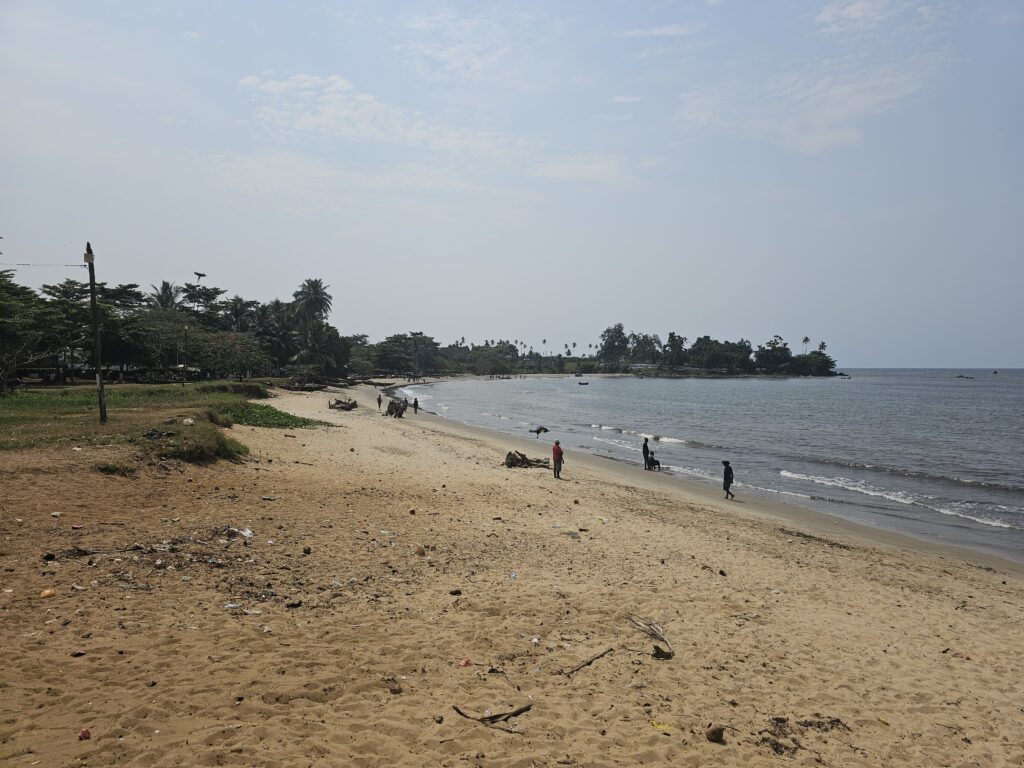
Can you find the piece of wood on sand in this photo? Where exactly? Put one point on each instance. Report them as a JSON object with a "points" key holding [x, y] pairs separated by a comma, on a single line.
{"points": [[492, 721], [654, 630]]}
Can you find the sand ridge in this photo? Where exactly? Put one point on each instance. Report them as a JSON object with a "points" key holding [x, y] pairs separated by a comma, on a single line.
{"points": [[201, 646]]}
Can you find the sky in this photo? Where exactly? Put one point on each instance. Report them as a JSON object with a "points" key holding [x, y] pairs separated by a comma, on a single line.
{"points": [[849, 170]]}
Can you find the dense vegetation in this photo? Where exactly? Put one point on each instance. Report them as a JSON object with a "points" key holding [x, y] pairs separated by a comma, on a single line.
{"points": [[191, 330]]}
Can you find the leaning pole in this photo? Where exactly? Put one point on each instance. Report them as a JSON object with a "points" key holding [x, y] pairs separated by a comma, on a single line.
{"points": [[89, 258]]}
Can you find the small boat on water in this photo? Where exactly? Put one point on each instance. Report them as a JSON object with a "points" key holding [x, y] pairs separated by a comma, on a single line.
{"points": [[583, 383]]}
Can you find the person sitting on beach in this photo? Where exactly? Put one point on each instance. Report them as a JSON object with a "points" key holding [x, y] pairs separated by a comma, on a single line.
{"points": [[647, 454], [556, 459], [727, 480], [652, 463]]}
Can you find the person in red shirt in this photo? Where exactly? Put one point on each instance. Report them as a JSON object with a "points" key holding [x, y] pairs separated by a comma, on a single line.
{"points": [[556, 459]]}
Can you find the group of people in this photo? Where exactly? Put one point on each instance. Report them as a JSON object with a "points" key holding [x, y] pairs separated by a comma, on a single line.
{"points": [[650, 463], [396, 408]]}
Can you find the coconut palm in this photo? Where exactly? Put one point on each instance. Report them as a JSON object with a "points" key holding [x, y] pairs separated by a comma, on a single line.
{"points": [[167, 296], [312, 301], [822, 347], [806, 341], [239, 313]]}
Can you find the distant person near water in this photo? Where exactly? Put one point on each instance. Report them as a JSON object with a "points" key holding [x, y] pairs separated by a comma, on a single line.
{"points": [[647, 454], [379, 401], [415, 405], [727, 480], [539, 431], [653, 463], [556, 459]]}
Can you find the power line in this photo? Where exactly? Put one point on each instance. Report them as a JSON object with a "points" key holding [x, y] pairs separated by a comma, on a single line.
{"points": [[26, 264]]}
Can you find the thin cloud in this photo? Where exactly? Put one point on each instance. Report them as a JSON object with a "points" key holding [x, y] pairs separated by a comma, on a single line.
{"points": [[625, 99], [812, 110], [671, 30]]}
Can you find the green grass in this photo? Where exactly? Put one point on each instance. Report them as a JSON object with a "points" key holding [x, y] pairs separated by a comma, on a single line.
{"points": [[57, 415], [260, 415]]}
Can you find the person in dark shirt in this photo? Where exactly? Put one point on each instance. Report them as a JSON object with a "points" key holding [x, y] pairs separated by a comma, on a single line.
{"points": [[415, 405], [647, 454], [727, 480], [379, 401], [556, 459]]}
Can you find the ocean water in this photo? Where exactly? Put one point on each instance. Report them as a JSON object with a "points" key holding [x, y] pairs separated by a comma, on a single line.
{"points": [[920, 452]]}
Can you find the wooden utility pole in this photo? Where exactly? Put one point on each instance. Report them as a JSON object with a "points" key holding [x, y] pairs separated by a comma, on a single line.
{"points": [[89, 258]]}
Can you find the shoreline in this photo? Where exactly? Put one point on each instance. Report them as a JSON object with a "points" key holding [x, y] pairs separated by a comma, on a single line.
{"points": [[346, 591], [757, 506]]}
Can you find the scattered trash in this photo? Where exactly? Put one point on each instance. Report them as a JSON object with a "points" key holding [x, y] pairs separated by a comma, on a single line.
{"points": [[77, 527], [231, 606], [76, 449], [465, 663], [188, 422], [492, 720], [307, 550], [535, 641], [420, 550], [233, 532], [270, 498], [77, 654], [56, 514], [658, 724], [293, 604], [48, 593], [653, 629], [156, 434], [84, 735], [49, 557], [513, 575], [455, 592]]}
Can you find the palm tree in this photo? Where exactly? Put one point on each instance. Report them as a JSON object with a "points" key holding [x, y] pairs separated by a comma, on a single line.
{"points": [[312, 301], [806, 341], [167, 296], [239, 312], [822, 347]]}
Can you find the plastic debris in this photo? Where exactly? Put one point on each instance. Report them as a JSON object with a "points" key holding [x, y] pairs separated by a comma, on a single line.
{"points": [[465, 663], [84, 735]]}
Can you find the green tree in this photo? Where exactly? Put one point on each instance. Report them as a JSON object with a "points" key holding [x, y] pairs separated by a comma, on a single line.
{"points": [[312, 301], [167, 296]]}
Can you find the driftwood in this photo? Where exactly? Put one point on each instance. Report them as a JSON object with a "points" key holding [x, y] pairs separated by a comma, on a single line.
{"points": [[341, 405], [492, 720], [588, 662], [516, 459], [653, 629]]}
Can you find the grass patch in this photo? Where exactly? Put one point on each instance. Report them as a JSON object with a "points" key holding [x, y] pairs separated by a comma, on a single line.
{"points": [[124, 470], [260, 415], [70, 416], [246, 388], [202, 443]]}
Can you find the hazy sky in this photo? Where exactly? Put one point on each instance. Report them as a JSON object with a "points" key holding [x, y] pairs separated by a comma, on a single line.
{"points": [[846, 169]]}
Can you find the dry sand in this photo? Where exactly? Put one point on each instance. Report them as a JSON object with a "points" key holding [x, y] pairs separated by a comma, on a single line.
{"points": [[176, 643]]}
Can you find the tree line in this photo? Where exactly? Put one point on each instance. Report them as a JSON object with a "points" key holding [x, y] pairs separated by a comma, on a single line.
{"points": [[194, 329]]}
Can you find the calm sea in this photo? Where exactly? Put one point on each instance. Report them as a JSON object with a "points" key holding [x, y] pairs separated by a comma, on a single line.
{"points": [[921, 452]]}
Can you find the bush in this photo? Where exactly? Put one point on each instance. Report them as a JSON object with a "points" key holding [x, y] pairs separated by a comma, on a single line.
{"points": [[202, 444]]}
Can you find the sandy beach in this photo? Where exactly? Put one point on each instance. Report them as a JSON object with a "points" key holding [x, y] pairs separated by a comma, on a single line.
{"points": [[334, 598]]}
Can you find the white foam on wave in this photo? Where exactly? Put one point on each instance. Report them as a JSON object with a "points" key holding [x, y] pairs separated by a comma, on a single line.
{"points": [[980, 518], [857, 486], [617, 443], [692, 471], [662, 439]]}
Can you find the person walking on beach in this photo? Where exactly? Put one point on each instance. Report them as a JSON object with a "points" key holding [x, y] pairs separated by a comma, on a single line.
{"points": [[727, 481], [647, 454], [556, 459], [379, 400], [415, 405]]}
